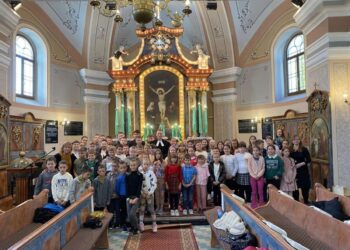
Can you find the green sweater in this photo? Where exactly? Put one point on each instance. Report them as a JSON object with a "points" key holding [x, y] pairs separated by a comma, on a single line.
{"points": [[274, 166]]}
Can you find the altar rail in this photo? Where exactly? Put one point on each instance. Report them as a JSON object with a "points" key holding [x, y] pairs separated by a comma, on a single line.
{"points": [[57, 232], [267, 237]]}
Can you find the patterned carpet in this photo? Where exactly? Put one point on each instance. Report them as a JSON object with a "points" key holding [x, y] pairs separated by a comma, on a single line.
{"points": [[118, 239]]}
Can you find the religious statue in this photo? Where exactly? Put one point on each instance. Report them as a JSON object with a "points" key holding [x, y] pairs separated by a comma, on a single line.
{"points": [[202, 59], [17, 135], [117, 59], [161, 99], [22, 161]]}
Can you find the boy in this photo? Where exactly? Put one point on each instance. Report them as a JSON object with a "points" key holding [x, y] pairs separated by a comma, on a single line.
{"points": [[119, 153], [112, 207], [76, 148], [80, 162], [189, 174], [44, 179], [149, 185], [60, 185], [93, 164], [120, 190], [80, 184], [102, 189], [110, 159], [217, 176], [133, 183]]}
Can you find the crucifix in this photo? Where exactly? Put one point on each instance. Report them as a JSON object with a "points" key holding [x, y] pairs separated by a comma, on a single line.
{"points": [[315, 85]]}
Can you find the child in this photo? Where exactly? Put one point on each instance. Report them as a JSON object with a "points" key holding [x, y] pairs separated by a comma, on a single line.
{"points": [[133, 183], [173, 184], [256, 168], [269, 141], [191, 152], [149, 185], [260, 144], [200, 151], [159, 172], [112, 207], [288, 183], [44, 179], [110, 159], [80, 184], [120, 190], [119, 152], [241, 160], [189, 174], [274, 166], [80, 162], [93, 164], [201, 183], [60, 185], [218, 176], [102, 189], [230, 168]]}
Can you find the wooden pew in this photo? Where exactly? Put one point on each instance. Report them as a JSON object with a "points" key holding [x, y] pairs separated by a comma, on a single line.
{"points": [[323, 194], [65, 230], [267, 238], [303, 224], [18, 221]]}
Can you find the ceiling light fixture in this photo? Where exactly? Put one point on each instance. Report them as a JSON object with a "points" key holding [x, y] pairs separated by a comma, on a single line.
{"points": [[144, 11]]}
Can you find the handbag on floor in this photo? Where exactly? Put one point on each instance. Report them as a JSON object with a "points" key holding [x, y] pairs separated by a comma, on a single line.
{"points": [[93, 222]]}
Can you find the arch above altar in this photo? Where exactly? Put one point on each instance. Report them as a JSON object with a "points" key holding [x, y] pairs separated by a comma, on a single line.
{"points": [[163, 87]]}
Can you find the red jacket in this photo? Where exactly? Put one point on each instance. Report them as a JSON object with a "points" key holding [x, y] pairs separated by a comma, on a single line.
{"points": [[172, 169]]}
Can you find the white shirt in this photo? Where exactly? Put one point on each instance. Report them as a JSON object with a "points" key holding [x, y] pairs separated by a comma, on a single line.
{"points": [[204, 153], [149, 183], [103, 153], [216, 171], [160, 142], [241, 160], [230, 166], [122, 157], [61, 185]]}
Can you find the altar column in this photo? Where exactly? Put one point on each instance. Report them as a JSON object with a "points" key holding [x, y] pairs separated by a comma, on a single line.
{"points": [[96, 100], [224, 100], [326, 33]]}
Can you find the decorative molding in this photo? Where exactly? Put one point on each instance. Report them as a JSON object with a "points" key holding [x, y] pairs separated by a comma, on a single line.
{"points": [[314, 12], [8, 17], [224, 95], [227, 91], [226, 75], [95, 77], [95, 92], [94, 99]]}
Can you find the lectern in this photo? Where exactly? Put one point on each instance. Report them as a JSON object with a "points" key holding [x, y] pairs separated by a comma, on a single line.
{"points": [[23, 179]]}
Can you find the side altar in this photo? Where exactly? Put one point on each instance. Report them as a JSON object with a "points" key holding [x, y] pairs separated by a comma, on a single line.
{"points": [[161, 86]]}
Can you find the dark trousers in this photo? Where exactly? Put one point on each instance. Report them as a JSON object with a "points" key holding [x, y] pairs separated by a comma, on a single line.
{"points": [[99, 208], [217, 195], [174, 201], [121, 211], [187, 195], [245, 189], [305, 193], [231, 184], [112, 208], [276, 183]]}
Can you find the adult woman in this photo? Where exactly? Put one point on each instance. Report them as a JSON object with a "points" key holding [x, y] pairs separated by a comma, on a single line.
{"points": [[302, 158], [67, 155]]}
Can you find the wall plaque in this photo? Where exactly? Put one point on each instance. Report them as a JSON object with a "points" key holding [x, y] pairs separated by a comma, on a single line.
{"points": [[73, 128], [51, 132]]}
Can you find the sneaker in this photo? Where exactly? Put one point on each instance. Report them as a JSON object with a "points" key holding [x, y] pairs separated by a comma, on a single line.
{"points": [[184, 212], [154, 227], [142, 227], [177, 213], [208, 197], [190, 212], [172, 212]]}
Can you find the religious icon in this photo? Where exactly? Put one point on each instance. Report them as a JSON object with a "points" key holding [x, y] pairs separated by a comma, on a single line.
{"points": [[161, 99], [319, 139]]}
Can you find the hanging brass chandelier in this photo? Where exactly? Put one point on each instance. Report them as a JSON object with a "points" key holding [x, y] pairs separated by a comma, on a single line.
{"points": [[144, 11]]}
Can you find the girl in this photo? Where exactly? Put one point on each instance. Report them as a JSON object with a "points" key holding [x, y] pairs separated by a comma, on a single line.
{"points": [[252, 140], [191, 152], [147, 149], [217, 176], [234, 145], [274, 167], [173, 181], [200, 151], [201, 183], [241, 160], [302, 158], [172, 151], [256, 168], [182, 148], [220, 146], [285, 144], [230, 168], [288, 183], [159, 172]]}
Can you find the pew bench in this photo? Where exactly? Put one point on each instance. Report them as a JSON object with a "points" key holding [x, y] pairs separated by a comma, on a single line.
{"points": [[303, 224], [17, 222]]}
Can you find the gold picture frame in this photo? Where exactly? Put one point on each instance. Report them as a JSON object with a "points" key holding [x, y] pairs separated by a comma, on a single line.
{"points": [[181, 95]]}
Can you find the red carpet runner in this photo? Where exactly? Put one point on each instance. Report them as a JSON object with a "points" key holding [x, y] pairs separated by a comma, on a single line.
{"points": [[173, 238]]}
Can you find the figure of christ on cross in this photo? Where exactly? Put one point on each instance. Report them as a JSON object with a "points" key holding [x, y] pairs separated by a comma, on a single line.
{"points": [[161, 99]]}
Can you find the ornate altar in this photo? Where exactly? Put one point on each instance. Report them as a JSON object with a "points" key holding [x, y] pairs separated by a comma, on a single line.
{"points": [[320, 138], [161, 86], [4, 144], [293, 123]]}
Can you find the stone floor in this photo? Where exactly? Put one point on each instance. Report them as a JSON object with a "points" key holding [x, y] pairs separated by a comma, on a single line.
{"points": [[117, 238]]}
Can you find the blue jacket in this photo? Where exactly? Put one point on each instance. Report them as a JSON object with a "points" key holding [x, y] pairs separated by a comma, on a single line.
{"points": [[120, 185]]}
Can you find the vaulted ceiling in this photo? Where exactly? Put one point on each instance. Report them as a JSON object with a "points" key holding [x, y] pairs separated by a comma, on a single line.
{"points": [[223, 32]]}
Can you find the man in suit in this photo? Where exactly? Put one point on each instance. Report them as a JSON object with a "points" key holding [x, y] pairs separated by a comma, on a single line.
{"points": [[163, 145]]}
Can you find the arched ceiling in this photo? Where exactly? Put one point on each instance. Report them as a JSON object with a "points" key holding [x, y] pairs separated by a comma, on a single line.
{"points": [[87, 30]]}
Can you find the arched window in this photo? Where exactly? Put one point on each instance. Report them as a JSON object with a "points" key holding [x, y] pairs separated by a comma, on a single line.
{"points": [[295, 66], [25, 64]]}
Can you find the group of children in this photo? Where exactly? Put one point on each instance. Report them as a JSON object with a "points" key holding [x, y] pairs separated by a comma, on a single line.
{"points": [[129, 183]]}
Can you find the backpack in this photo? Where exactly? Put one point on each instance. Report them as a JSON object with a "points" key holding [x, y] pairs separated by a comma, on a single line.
{"points": [[42, 215]]}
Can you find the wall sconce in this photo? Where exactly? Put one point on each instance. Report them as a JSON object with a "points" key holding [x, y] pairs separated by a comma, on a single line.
{"points": [[256, 120], [346, 99], [65, 122]]}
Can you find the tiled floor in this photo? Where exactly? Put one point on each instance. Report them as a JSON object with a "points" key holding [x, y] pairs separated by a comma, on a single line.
{"points": [[117, 238]]}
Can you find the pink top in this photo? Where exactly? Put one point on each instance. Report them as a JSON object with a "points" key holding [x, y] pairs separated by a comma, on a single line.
{"points": [[202, 174]]}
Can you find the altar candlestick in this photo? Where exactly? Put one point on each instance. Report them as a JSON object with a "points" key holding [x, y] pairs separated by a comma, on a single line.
{"points": [[194, 120], [200, 124]]}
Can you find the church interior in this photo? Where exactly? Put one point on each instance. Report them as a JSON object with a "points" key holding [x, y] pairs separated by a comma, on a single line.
{"points": [[174, 124]]}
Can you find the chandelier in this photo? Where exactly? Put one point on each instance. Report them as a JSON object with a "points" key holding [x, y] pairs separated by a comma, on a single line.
{"points": [[144, 11]]}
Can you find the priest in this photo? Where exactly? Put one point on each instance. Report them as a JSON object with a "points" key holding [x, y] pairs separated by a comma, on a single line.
{"points": [[163, 145]]}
